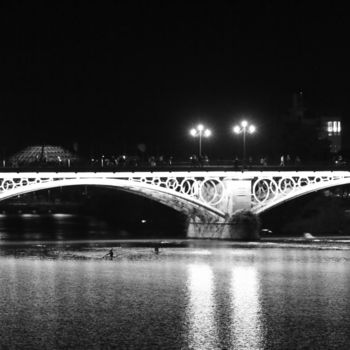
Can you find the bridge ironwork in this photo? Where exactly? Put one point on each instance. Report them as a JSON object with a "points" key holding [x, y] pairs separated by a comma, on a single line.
{"points": [[206, 190]]}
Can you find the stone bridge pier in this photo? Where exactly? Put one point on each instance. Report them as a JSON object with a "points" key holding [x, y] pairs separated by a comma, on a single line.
{"points": [[237, 197]]}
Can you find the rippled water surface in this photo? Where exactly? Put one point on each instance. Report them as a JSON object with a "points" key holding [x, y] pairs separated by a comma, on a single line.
{"points": [[231, 297], [180, 299]]}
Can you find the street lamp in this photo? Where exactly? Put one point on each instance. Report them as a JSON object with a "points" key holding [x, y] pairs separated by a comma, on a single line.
{"points": [[244, 128], [200, 131]]}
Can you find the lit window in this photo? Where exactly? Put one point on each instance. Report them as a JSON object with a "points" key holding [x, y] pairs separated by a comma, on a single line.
{"points": [[329, 127], [333, 127]]}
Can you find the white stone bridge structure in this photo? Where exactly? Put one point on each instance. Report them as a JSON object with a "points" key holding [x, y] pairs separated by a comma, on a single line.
{"points": [[208, 198]]}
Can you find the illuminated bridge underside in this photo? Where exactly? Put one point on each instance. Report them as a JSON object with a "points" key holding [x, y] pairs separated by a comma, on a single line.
{"points": [[213, 194], [13, 185], [273, 188]]}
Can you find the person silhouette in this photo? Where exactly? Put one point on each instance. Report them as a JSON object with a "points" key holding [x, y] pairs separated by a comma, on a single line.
{"points": [[282, 160]]}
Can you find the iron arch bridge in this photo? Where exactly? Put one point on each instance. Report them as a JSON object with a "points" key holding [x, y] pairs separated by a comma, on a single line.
{"points": [[213, 193]]}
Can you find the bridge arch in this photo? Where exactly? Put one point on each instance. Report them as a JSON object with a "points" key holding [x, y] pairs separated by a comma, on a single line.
{"points": [[178, 201], [301, 191]]}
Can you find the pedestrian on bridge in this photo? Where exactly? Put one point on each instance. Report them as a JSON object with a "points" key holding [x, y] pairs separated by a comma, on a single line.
{"points": [[282, 160]]}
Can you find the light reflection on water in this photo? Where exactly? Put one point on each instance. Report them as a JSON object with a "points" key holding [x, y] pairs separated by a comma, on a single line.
{"points": [[201, 311], [247, 327]]}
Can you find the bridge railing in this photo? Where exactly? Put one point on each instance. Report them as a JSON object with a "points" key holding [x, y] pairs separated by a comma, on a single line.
{"points": [[174, 166]]}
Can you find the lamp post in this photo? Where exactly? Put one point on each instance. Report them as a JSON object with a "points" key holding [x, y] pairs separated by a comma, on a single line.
{"points": [[200, 131], [244, 128]]}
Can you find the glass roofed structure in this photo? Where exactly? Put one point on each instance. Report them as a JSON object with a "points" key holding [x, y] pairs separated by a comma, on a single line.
{"points": [[46, 154]]}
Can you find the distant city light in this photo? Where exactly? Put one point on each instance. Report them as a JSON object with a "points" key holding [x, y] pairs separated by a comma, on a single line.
{"points": [[333, 127], [244, 128], [251, 129], [237, 129], [207, 133], [193, 132], [200, 131]]}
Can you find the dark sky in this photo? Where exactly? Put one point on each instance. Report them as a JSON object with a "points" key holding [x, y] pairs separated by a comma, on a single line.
{"points": [[110, 75]]}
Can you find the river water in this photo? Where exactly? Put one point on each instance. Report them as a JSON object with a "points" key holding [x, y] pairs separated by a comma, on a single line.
{"points": [[59, 292]]}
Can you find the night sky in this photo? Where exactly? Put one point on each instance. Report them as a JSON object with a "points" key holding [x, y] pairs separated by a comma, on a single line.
{"points": [[113, 75]]}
